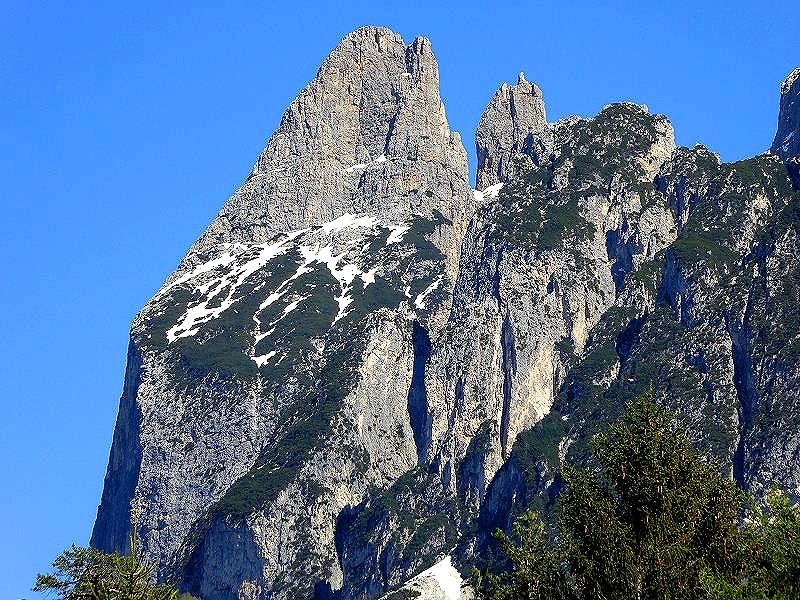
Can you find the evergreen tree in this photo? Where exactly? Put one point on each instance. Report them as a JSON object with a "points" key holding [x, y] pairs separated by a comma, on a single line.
{"points": [[89, 574], [652, 518], [774, 547]]}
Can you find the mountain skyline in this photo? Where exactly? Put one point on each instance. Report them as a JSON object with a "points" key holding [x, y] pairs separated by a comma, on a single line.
{"points": [[203, 218], [363, 366]]}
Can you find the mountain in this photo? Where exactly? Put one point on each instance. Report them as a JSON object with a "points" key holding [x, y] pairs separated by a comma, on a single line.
{"points": [[364, 366]]}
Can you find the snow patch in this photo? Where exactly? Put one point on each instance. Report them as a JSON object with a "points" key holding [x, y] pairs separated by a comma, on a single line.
{"points": [[201, 312], [262, 360], [291, 306], [398, 231], [492, 191], [343, 300], [225, 259], [237, 262], [344, 274], [368, 276], [359, 166], [443, 575], [347, 220], [419, 301]]}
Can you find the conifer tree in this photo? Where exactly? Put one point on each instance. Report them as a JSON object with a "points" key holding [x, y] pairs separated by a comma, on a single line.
{"points": [[89, 574], [651, 518]]}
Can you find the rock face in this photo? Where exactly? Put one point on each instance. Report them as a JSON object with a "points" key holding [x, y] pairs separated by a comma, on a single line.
{"points": [[787, 138], [269, 382], [513, 124], [363, 366]]}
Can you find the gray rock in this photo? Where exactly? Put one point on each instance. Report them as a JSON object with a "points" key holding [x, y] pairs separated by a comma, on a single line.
{"points": [[513, 124], [787, 138], [259, 426], [363, 365]]}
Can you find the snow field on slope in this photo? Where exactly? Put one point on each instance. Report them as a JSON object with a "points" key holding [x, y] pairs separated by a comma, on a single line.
{"points": [[219, 280]]}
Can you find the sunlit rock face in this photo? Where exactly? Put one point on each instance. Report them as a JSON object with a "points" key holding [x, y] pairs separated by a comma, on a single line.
{"points": [[364, 366]]}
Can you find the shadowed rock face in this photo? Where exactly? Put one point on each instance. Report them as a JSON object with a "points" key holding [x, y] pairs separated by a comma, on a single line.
{"points": [[787, 138], [363, 366]]}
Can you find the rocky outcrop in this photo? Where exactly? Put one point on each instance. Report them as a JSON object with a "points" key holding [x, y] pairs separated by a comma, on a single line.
{"points": [[513, 124], [367, 135], [787, 138], [364, 366]]}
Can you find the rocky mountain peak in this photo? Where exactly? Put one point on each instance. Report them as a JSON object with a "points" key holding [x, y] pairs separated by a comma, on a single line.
{"points": [[514, 123], [362, 368], [787, 137], [367, 135]]}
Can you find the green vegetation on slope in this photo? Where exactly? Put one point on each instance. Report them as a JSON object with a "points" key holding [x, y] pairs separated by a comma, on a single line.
{"points": [[652, 519]]}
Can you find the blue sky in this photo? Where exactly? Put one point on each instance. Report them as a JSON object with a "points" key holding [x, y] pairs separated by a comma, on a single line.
{"points": [[124, 129]]}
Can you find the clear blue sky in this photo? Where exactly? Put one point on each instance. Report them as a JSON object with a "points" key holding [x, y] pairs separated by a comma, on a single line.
{"points": [[123, 130]]}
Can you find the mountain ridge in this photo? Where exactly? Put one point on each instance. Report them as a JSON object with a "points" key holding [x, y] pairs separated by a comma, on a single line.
{"points": [[364, 365]]}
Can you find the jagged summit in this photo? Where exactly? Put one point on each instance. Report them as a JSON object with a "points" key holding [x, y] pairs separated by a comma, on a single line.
{"points": [[371, 122], [514, 123]]}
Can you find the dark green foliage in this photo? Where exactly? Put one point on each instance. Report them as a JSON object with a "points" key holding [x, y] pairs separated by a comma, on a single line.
{"points": [[709, 246], [176, 301], [402, 594], [697, 285], [773, 546], [534, 571], [530, 215], [421, 520], [608, 145], [77, 573], [305, 424], [540, 443], [652, 519], [89, 574], [719, 215], [426, 531], [418, 264], [655, 511], [566, 346], [381, 294], [649, 275], [417, 235]]}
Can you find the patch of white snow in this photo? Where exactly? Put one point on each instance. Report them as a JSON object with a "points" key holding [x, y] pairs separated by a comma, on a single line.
{"points": [[419, 301], [444, 574], [262, 360], [348, 220], [492, 191], [368, 276], [201, 312], [398, 231]]}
